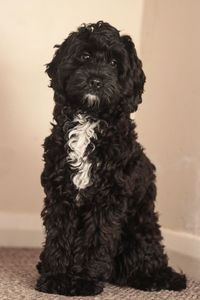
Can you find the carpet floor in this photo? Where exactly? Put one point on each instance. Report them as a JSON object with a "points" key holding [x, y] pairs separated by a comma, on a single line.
{"points": [[18, 276]]}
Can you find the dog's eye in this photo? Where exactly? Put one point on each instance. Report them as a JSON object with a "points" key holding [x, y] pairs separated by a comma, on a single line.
{"points": [[113, 63], [85, 56]]}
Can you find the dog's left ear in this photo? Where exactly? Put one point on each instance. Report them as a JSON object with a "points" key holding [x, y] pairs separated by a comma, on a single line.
{"points": [[136, 75]]}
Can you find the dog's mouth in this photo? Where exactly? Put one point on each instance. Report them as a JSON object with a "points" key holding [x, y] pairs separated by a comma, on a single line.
{"points": [[91, 99]]}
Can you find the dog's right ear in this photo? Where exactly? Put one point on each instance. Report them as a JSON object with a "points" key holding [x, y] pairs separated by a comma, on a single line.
{"points": [[52, 68]]}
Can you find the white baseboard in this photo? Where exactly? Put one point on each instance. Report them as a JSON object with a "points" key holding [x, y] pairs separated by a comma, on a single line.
{"points": [[182, 242], [25, 230]]}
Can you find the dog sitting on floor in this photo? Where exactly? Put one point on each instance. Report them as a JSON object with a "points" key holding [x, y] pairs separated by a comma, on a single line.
{"points": [[98, 213]]}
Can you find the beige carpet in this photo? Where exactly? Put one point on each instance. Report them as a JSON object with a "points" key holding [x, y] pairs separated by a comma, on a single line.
{"points": [[18, 276]]}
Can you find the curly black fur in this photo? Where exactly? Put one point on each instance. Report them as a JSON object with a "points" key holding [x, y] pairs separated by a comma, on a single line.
{"points": [[111, 231]]}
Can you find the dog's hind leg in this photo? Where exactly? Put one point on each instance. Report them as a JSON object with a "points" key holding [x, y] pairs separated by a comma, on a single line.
{"points": [[141, 262]]}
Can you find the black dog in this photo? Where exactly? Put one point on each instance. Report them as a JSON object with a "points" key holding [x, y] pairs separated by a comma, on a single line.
{"points": [[100, 186]]}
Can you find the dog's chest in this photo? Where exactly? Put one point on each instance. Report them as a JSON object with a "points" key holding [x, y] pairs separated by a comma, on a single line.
{"points": [[80, 137]]}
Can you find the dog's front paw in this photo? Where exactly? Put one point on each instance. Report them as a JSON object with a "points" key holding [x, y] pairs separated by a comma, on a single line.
{"points": [[165, 279], [87, 287], [63, 285], [54, 284]]}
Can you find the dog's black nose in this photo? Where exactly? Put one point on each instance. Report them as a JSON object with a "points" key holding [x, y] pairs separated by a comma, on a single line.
{"points": [[95, 83]]}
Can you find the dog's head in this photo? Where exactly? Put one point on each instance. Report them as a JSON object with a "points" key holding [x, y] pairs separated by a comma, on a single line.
{"points": [[95, 67]]}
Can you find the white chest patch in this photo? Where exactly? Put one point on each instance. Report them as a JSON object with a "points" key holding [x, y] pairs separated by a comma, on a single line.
{"points": [[79, 139]]}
